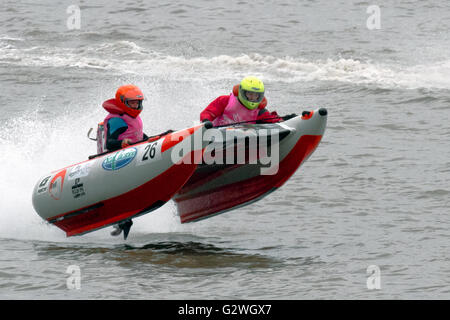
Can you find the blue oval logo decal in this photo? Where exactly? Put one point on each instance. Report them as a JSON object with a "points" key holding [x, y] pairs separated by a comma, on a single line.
{"points": [[119, 160]]}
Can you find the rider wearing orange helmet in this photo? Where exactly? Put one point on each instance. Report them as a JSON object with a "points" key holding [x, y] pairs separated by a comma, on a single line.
{"points": [[123, 124]]}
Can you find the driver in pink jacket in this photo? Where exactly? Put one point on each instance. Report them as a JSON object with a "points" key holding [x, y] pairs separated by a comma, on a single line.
{"points": [[123, 124], [245, 104]]}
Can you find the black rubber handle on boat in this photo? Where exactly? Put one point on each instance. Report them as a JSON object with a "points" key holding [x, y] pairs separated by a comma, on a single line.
{"points": [[208, 124]]}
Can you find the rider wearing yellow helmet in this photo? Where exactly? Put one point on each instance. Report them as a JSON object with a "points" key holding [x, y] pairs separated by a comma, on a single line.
{"points": [[245, 104]]}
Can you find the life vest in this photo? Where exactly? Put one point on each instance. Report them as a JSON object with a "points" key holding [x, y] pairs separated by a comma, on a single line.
{"points": [[236, 112], [134, 131]]}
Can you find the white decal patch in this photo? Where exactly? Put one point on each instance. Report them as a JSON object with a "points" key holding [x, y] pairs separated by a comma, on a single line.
{"points": [[151, 152], [80, 170]]}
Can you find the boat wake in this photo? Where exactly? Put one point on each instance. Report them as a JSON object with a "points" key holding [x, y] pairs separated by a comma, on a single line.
{"points": [[126, 57]]}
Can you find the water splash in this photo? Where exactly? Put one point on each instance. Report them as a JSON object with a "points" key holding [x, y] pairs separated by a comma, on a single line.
{"points": [[39, 142]]}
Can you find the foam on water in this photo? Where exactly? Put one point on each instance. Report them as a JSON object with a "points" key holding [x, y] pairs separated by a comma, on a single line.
{"points": [[110, 57]]}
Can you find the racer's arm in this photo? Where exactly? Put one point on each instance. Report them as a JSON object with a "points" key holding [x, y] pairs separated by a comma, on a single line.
{"points": [[214, 109]]}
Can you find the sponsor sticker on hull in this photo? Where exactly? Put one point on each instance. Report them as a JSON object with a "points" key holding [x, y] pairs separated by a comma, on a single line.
{"points": [[119, 159], [79, 171], [57, 184], [42, 188], [78, 189]]}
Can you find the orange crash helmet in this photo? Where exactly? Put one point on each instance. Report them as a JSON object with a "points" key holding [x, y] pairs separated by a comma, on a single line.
{"points": [[128, 93]]}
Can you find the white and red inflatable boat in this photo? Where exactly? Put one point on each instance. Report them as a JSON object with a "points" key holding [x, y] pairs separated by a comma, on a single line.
{"points": [[205, 170]]}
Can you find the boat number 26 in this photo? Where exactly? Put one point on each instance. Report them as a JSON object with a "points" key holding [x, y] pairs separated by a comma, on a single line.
{"points": [[149, 151]]}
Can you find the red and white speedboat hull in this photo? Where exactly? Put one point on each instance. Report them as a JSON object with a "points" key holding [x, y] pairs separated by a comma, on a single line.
{"points": [[116, 186], [214, 189]]}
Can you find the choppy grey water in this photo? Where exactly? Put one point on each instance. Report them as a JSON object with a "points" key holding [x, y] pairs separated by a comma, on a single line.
{"points": [[375, 192]]}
